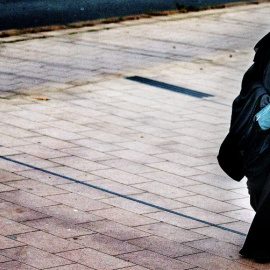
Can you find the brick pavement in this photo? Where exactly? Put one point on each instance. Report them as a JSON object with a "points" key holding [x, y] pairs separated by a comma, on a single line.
{"points": [[68, 111]]}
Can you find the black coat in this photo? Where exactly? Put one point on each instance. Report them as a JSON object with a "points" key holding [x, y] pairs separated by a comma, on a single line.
{"points": [[245, 150], [241, 151], [245, 141]]}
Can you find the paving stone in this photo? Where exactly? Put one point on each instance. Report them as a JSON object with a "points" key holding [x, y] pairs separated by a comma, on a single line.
{"points": [[217, 181], [72, 267], [158, 200], [128, 166], [33, 161], [252, 264], [16, 132], [83, 110], [34, 257], [205, 215], [50, 142], [115, 187], [239, 226], [182, 159], [8, 151], [66, 125], [135, 268], [95, 259], [154, 130], [143, 148], [121, 176], [86, 191], [124, 217], [163, 189], [9, 227], [217, 247], [35, 187], [129, 205], [11, 166], [211, 168], [60, 134], [21, 123], [193, 132], [175, 168], [37, 117], [206, 203], [44, 177], [87, 153], [18, 213], [243, 203], [15, 265], [170, 179], [40, 151], [65, 173], [106, 244], [190, 151], [119, 120], [47, 242], [58, 227], [118, 130], [7, 243], [79, 202], [209, 261], [177, 220], [214, 192], [243, 215], [8, 141], [148, 139], [104, 136], [68, 214], [243, 191], [153, 260], [79, 163], [7, 176], [97, 145], [25, 199], [164, 246], [171, 232], [135, 156], [115, 230], [222, 235], [191, 141], [5, 187], [4, 259]]}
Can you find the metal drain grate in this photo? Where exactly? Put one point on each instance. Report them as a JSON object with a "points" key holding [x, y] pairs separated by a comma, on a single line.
{"points": [[169, 87]]}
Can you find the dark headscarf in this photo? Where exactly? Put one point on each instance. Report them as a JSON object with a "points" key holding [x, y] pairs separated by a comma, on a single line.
{"points": [[262, 56]]}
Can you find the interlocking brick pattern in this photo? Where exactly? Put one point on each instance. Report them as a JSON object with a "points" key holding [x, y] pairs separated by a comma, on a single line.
{"points": [[66, 108]]}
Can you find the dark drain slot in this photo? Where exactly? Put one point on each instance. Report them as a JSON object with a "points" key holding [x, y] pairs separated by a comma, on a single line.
{"points": [[169, 87]]}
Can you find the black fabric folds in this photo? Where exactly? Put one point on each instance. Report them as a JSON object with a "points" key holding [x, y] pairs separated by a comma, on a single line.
{"points": [[246, 151], [246, 142]]}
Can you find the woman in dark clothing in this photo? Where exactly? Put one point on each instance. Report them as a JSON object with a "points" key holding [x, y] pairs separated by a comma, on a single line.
{"points": [[249, 146]]}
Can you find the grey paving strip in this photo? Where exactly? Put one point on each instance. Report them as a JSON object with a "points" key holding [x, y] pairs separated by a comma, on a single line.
{"points": [[123, 196], [169, 87]]}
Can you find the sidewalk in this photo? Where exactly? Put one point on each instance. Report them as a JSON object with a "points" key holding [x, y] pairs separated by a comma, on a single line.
{"points": [[109, 137]]}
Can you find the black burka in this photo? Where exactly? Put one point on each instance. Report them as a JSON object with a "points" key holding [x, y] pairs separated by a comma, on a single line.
{"points": [[251, 147]]}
